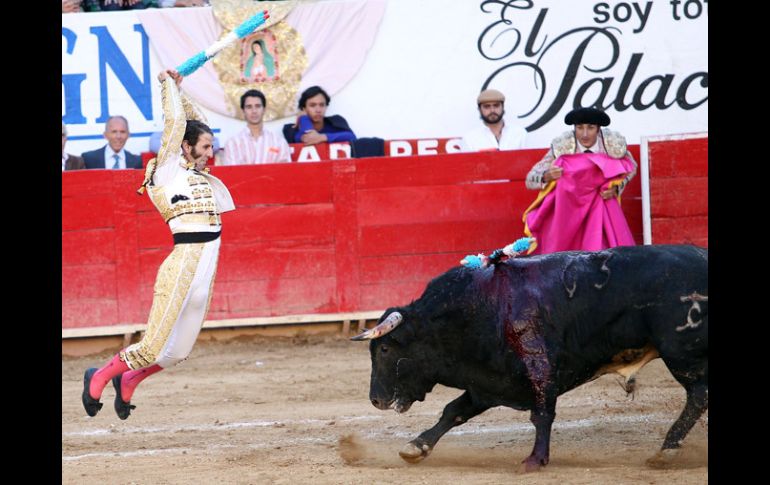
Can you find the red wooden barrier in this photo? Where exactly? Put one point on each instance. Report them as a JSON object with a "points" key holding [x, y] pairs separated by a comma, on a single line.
{"points": [[326, 237], [679, 190]]}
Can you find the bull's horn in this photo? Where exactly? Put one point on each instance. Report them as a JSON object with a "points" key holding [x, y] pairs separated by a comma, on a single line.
{"points": [[387, 325]]}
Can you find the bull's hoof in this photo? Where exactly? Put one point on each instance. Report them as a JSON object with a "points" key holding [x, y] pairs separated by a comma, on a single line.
{"points": [[663, 458], [532, 464], [630, 386], [414, 452]]}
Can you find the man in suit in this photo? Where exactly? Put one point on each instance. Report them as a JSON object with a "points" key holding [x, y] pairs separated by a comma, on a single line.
{"points": [[116, 132], [69, 162]]}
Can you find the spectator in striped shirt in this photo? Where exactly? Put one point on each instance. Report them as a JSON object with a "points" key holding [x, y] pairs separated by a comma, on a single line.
{"points": [[255, 144]]}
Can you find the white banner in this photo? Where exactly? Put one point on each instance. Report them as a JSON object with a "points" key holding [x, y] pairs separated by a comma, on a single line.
{"points": [[645, 62]]}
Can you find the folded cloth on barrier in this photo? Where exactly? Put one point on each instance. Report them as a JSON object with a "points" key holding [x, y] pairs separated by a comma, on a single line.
{"points": [[367, 147]]}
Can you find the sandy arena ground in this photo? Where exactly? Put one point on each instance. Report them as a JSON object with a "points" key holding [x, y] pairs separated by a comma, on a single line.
{"points": [[261, 410]]}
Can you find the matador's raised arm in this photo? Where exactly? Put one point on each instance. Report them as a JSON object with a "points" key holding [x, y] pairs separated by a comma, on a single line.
{"points": [[177, 109]]}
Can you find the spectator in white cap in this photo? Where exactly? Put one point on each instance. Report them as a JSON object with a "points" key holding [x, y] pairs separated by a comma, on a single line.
{"points": [[494, 133]]}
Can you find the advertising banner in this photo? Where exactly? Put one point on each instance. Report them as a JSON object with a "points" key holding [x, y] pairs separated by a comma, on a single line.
{"points": [[417, 71]]}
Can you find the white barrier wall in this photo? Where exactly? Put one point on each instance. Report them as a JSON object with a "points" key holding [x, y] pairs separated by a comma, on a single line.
{"points": [[644, 62]]}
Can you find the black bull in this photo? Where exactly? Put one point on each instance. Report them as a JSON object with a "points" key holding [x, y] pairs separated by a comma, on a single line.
{"points": [[522, 332]]}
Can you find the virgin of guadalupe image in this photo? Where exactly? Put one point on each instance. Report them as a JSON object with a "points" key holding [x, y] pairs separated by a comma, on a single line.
{"points": [[260, 64]]}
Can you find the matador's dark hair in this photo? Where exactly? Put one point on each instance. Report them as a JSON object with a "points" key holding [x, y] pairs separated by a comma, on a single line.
{"points": [[194, 130]]}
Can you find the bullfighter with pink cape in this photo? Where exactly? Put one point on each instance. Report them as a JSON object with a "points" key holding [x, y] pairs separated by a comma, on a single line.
{"points": [[570, 213], [580, 180]]}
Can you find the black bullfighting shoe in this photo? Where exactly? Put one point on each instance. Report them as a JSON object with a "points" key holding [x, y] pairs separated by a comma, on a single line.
{"points": [[122, 408], [92, 405]]}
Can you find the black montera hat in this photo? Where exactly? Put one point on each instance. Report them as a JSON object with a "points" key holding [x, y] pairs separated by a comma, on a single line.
{"points": [[591, 116]]}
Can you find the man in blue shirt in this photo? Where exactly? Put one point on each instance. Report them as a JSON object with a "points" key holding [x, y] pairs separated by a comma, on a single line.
{"points": [[312, 127]]}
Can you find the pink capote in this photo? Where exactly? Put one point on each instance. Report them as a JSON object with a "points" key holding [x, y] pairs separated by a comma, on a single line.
{"points": [[572, 215]]}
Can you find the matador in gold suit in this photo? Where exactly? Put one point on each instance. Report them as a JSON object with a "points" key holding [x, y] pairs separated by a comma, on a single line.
{"points": [[191, 202]]}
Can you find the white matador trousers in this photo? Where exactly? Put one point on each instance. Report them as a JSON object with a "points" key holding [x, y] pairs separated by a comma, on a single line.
{"points": [[181, 299]]}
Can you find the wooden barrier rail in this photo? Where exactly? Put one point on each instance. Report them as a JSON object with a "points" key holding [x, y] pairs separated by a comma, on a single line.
{"points": [[360, 318]]}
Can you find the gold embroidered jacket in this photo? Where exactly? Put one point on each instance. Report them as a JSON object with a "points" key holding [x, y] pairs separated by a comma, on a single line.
{"points": [[610, 142], [188, 200]]}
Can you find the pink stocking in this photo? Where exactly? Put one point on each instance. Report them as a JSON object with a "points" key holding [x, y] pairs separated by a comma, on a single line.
{"points": [[131, 379], [101, 377]]}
